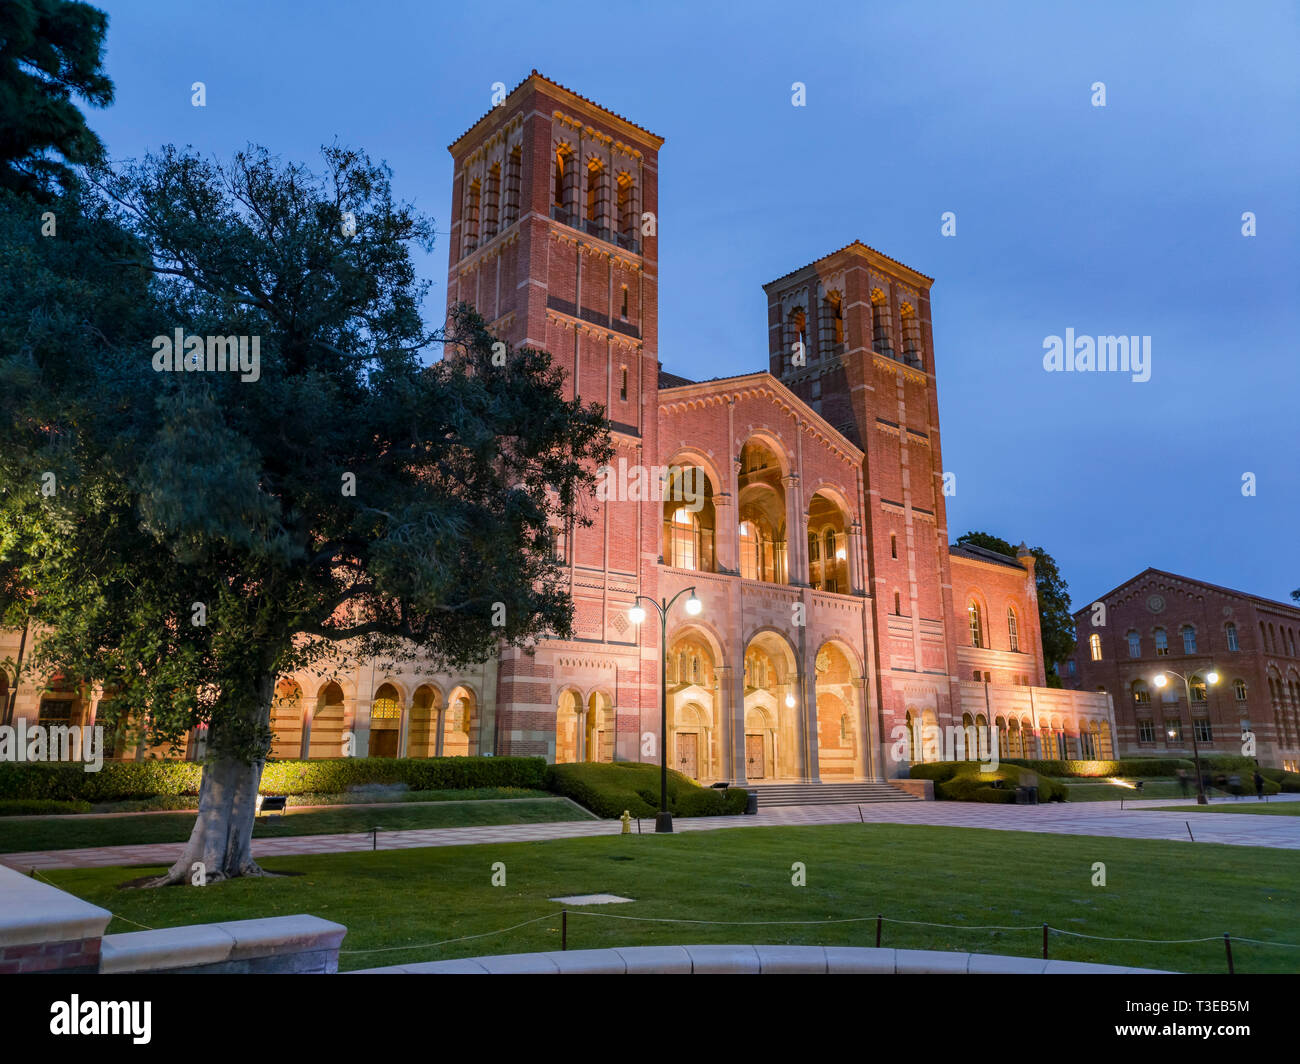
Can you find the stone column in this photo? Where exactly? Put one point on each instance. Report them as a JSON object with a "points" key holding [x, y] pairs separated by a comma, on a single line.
{"points": [[796, 533], [726, 532]]}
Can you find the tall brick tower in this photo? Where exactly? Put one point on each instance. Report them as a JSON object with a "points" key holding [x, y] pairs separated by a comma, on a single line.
{"points": [[554, 214], [867, 366]]}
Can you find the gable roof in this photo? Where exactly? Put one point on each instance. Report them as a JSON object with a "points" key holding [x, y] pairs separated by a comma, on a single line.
{"points": [[981, 554], [867, 251], [1151, 571]]}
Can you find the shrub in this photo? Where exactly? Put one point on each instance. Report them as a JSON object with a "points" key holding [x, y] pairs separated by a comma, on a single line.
{"points": [[608, 789], [40, 807], [1128, 767], [126, 780], [1290, 782], [962, 781]]}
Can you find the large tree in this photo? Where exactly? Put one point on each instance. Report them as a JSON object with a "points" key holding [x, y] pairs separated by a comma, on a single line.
{"points": [[51, 52], [1054, 618], [187, 536]]}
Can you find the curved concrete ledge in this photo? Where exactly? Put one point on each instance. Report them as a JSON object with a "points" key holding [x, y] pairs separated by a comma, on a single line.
{"points": [[753, 960]]}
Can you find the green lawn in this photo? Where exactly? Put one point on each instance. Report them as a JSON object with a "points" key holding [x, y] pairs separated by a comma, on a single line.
{"points": [[70, 833], [1155, 890], [1246, 805]]}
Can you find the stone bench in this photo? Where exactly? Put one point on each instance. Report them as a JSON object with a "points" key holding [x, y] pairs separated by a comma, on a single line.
{"points": [[282, 944], [752, 960]]}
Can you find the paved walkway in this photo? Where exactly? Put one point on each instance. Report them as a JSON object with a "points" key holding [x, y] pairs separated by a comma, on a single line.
{"points": [[1060, 818]]}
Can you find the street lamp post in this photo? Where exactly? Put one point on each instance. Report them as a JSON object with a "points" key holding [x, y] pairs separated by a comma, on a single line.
{"points": [[1211, 678], [664, 819]]}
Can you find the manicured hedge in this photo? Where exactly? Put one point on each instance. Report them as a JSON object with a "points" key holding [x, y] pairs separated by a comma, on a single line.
{"points": [[962, 781], [1129, 766], [38, 807], [608, 789], [123, 780]]}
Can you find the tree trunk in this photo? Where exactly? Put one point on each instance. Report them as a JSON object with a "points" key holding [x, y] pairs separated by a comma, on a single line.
{"points": [[221, 844]]}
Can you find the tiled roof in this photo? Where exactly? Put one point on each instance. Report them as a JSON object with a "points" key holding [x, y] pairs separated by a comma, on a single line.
{"points": [[1151, 571], [555, 84], [672, 380], [855, 243], [982, 555]]}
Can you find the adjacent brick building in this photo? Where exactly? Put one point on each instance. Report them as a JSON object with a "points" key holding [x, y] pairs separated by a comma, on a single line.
{"points": [[835, 616], [1161, 623]]}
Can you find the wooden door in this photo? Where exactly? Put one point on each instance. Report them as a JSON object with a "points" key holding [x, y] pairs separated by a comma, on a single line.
{"points": [[755, 757], [688, 754]]}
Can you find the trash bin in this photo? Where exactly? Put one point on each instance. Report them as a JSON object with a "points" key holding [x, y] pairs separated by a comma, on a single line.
{"points": [[751, 805], [1031, 796], [1022, 796]]}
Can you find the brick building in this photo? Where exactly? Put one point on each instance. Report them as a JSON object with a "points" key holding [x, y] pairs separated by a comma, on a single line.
{"points": [[1161, 623], [835, 615]]}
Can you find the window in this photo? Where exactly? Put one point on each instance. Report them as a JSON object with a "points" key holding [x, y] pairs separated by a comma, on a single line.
{"points": [[1094, 646], [626, 204], [880, 338], [1141, 693], [898, 608], [622, 313], [510, 209], [1201, 730], [1134, 645], [597, 196], [1146, 731], [830, 581], [622, 387], [492, 202], [1162, 643], [1197, 686], [799, 328], [893, 546], [977, 676], [1189, 639], [832, 332], [471, 216], [1239, 689], [1071, 668], [976, 625], [1263, 635], [1231, 632], [1013, 630], [683, 551], [750, 551], [1174, 729], [565, 176], [558, 544], [911, 335]]}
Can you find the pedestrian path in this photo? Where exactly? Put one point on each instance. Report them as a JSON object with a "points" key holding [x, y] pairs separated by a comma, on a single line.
{"points": [[1137, 820]]}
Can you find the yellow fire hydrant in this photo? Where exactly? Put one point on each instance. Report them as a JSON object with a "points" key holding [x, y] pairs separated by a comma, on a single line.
{"points": [[627, 822]]}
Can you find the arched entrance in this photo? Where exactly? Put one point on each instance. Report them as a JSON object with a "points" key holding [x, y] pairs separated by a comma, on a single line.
{"points": [[325, 736], [459, 719], [599, 745], [286, 719], [422, 739], [840, 746], [385, 722], [693, 736], [771, 685]]}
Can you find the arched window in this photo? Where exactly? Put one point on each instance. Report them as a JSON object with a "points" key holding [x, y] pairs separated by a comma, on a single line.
{"points": [[1197, 686], [893, 545], [1013, 629], [832, 321], [564, 206], [1141, 693], [1239, 689], [799, 328], [1162, 643], [1189, 639], [472, 195], [829, 581], [1094, 646], [492, 202], [510, 208], [898, 605], [880, 331], [597, 197], [1134, 645], [976, 625], [1231, 632], [911, 335]]}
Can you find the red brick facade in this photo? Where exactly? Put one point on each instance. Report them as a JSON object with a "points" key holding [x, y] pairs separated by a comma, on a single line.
{"points": [[1161, 623]]}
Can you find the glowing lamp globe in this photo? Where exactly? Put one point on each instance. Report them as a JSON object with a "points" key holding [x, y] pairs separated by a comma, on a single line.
{"points": [[1212, 676], [1161, 680], [693, 606], [789, 701], [636, 614]]}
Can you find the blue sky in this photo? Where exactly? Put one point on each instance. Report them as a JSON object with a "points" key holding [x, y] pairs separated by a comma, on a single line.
{"points": [[1117, 220]]}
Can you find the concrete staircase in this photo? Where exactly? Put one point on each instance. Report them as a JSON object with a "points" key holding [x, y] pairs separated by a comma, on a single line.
{"points": [[773, 794]]}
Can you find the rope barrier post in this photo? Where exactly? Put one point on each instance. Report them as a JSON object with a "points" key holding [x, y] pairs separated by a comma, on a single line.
{"points": [[564, 929], [879, 920], [1227, 945], [1044, 942]]}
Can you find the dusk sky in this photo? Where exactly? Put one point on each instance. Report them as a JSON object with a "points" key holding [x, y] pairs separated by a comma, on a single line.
{"points": [[1123, 219]]}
